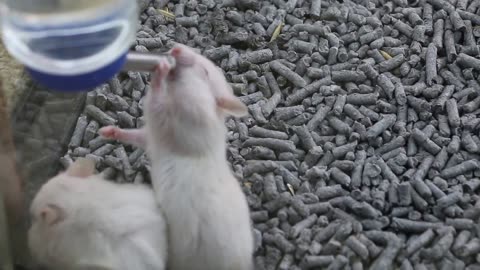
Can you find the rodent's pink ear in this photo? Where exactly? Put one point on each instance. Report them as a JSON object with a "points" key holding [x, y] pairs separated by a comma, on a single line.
{"points": [[232, 105], [51, 214], [82, 167]]}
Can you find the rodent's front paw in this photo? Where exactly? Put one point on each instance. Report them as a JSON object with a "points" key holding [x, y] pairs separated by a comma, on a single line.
{"points": [[110, 132], [164, 67], [161, 72]]}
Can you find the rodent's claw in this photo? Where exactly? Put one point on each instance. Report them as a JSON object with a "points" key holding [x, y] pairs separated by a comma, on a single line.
{"points": [[161, 72], [164, 67]]}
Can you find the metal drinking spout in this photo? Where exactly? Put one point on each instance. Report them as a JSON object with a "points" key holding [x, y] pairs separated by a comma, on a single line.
{"points": [[145, 62]]}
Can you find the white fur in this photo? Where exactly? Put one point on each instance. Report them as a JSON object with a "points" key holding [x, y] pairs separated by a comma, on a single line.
{"points": [[206, 211], [207, 217], [104, 226]]}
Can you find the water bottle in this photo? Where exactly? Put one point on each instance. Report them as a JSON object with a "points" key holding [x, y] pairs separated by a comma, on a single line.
{"points": [[70, 45]]}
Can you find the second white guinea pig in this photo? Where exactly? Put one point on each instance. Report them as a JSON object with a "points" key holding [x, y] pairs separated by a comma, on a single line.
{"points": [[81, 221]]}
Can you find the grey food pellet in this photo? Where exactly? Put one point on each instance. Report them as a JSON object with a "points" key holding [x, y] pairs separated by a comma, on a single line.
{"points": [[104, 150], [99, 115], [90, 132], [78, 132]]}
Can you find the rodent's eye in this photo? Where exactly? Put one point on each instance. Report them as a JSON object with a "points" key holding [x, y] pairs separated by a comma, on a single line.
{"points": [[206, 71]]}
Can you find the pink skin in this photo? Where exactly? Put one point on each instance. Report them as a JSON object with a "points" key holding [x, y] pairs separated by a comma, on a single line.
{"points": [[160, 74], [134, 137]]}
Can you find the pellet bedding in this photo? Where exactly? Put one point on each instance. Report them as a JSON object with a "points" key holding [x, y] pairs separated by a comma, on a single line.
{"points": [[361, 150]]}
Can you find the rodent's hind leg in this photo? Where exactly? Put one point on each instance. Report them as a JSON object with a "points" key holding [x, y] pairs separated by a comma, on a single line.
{"points": [[135, 137]]}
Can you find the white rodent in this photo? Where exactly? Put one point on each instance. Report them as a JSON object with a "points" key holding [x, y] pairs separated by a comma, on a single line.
{"points": [[207, 213], [81, 221]]}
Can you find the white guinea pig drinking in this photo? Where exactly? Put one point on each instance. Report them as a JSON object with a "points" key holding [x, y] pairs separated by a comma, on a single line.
{"points": [[185, 137]]}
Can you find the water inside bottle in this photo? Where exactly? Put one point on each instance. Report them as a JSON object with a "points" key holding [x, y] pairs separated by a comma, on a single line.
{"points": [[69, 46], [72, 44]]}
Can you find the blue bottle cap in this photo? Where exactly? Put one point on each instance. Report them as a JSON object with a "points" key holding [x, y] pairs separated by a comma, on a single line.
{"points": [[80, 82]]}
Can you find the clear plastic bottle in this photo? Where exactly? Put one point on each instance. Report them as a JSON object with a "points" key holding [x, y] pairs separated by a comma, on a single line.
{"points": [[70, 44]]}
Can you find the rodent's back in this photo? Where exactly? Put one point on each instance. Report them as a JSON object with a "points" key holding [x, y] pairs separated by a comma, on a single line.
{"points": [[209, 218], [103, 217], [122, 208]]}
